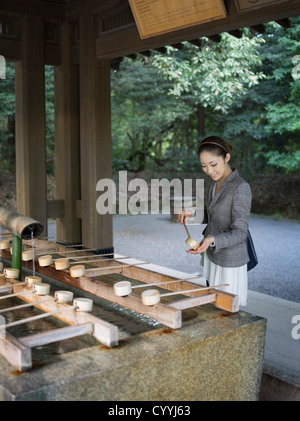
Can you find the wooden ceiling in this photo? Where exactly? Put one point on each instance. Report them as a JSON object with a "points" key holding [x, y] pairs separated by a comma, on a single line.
{"points": [[117, 33]]}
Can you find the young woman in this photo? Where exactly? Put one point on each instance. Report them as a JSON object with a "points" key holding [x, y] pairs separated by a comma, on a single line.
{"points": [[227, 214]]}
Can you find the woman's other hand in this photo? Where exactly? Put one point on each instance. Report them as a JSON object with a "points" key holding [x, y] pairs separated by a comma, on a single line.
{"points": [[205, 243]]}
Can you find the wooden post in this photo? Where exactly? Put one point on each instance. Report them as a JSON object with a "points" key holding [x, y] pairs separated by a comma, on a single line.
{"points": [[31, 183], [67, 160], [15, 352], [95, 135]]}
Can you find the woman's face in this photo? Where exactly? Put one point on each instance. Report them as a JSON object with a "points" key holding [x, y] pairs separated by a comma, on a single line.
{"points": [[215, 166]]}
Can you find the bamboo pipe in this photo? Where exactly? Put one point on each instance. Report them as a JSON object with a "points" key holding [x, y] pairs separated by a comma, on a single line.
{"points": [[21, 225]]}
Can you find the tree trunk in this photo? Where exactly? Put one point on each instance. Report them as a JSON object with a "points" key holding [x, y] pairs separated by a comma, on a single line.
{"points": [[201, 121]]}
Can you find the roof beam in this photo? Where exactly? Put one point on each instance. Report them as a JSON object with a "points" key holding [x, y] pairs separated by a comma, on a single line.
{"points": [[236, 33], [261, 29], [127, 40], [75, 9], [178, 46], [196, 42], [46, 10], [10, 49], [285, 23], [215, 38], [161, 50]]}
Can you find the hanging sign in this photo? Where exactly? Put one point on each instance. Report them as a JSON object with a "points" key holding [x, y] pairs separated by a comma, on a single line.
{"points": [[154, 17]]}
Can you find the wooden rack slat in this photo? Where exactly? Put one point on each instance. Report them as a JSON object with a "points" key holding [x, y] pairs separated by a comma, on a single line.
{"points": [[54, 335], [194, 301]]}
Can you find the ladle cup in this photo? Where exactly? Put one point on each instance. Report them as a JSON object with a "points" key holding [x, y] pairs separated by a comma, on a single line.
{"points": [[190, 241]]}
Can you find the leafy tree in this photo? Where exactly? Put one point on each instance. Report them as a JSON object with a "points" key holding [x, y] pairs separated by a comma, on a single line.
{"points": [[49, 109], [158, 102], [264, 124], [215, 74], [283, 115], [7, 118], [145, 118]]}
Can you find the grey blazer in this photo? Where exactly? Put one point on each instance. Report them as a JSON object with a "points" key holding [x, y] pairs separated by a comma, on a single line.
{"points": [[227, 216]]}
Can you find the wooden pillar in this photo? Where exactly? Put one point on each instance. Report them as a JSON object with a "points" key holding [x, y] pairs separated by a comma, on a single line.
{"points": [[67, 148], [95, 135], [31, 184]]}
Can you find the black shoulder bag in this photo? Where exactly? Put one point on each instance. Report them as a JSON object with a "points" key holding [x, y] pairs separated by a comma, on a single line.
{"points": [[251, 252]]}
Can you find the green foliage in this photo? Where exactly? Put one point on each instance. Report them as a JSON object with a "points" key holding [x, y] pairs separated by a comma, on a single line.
{"points": [[264, 126], [289, 161], [7, 92], [215, 74], [155, 101], [49, 107]]}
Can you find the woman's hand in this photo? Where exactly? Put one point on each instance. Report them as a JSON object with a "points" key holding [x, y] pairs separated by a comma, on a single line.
{"points": [[185, 215], [205, 243]]}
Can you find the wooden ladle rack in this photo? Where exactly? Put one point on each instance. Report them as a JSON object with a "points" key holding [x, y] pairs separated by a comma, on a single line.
{"points": [[18, 351]]}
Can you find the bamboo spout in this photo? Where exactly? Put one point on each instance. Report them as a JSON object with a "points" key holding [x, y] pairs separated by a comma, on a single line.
{"points": [[20, 225]]}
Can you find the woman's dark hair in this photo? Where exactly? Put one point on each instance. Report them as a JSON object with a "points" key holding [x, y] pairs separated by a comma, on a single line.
{"points": [[215, 145]]}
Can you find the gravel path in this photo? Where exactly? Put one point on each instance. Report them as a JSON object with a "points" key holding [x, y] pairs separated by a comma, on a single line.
{"points": [[155, 239]]}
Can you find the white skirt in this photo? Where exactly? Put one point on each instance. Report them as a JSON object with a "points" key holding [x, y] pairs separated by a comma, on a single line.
{"points": [[236, 278]]}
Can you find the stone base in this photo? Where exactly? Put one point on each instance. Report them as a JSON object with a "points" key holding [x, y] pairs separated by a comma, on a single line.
{"points": [[214, 356]]}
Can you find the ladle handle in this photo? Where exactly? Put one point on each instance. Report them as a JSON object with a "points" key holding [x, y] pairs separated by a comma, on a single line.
{"points": [[116, 267], [163, 282], [3, 297], [187, 231], [5, 286], [192, 290], [13, 308], [39, 316]]}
